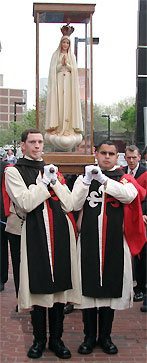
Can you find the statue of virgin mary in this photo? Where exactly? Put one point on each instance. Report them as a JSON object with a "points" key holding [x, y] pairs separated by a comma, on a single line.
{"points": [[63, 125]]}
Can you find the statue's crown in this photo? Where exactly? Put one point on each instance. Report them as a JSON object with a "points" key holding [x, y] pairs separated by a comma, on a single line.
{"points": [[67, 30]]}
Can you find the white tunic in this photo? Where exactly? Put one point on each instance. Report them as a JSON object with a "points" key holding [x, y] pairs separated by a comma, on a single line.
{"points": [[27, 199], [125, 193]]}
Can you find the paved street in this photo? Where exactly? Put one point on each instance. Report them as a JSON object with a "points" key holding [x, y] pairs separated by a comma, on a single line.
{"points": [[129, 334]]}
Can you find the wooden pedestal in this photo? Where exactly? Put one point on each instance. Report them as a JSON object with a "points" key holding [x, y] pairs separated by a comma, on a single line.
{"points": [[69, 163]]}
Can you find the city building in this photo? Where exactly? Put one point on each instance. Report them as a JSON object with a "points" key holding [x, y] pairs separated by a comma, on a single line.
{"points": [[8, 97]]}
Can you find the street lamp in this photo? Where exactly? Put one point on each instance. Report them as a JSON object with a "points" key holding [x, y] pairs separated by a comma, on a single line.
{"points": [[15, 104], [108, 117], [77, 40]]}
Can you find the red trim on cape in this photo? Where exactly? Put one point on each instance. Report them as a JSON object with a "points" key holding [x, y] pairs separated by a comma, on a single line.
{"points": [[71, 217], [142, 180], [134, 228], [5, 196]]}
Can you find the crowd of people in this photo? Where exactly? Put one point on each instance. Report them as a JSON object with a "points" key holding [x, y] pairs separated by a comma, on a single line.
{"points": [[91, 265]]}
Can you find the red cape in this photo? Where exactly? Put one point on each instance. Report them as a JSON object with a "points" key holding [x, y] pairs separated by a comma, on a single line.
{"points": [[5, 196], [134, 228]]}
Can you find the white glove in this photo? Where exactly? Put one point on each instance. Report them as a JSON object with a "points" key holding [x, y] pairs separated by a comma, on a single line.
{"points": [[88, 174], [98, 175], [50, 174]]}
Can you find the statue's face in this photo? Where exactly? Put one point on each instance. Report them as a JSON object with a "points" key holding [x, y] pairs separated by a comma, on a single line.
{"points": [[65, 43]]}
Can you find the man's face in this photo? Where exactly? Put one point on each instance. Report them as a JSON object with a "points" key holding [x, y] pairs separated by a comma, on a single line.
{"points": [[9, 152], [107, 156], [33, 146], [132, 158]]}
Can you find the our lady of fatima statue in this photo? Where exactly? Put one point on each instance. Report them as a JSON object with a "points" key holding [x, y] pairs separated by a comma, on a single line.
{"points": [[63, 125]]}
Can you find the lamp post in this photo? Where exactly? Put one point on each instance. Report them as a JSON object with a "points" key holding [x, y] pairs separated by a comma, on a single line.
{"points": [[15, 104], [77, 40], [108, 117]]}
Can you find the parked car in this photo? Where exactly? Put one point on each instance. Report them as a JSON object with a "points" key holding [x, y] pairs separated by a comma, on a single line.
{"points": [[121, 159]]}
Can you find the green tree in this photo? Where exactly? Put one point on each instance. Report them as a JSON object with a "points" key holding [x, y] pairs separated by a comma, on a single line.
{"points": [[42, 110], [129, 117], [15, 129], [116, 111], [122, 115]]}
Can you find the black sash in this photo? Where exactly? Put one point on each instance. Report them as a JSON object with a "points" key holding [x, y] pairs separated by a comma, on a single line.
{"points": [[114, 254], [40, 276]]}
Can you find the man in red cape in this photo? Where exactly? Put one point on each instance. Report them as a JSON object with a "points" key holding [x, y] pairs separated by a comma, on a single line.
{"points": [[112, 229]]}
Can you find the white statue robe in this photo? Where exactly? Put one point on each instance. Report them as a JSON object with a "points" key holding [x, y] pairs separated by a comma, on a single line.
{"points": [[63, 108]]}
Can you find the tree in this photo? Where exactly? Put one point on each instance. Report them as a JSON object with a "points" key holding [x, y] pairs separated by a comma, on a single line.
{"points": [[129, 117], [42, 110], [122, 116], [28, 121], [30, 118]]}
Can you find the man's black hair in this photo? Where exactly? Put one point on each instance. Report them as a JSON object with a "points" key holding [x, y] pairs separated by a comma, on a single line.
{"points": [[25, 133], [106, 142]]}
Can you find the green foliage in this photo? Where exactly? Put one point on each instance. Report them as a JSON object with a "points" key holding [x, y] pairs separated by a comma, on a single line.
{"points": [[42, 110], [6, 137], [30, 118], [128, 118], [122, 116], [15, 129]]}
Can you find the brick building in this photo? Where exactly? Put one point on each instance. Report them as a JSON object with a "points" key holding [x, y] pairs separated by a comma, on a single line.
{"points": [[7, 98]]}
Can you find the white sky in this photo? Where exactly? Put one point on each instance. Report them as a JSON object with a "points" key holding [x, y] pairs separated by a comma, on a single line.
{"points": [[114, 66]]}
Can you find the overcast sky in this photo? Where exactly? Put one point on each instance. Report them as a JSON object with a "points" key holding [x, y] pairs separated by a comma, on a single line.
{"points": [[114, 66]]}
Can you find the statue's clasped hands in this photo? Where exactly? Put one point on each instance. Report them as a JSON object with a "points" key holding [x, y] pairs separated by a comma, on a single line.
{"points": [[64, 61]]}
